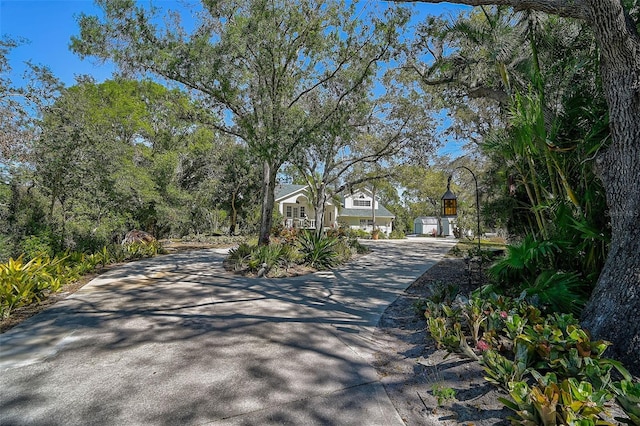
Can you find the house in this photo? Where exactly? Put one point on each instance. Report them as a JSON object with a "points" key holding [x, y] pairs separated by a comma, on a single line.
{"points": [[428, 225], [355, 210]]}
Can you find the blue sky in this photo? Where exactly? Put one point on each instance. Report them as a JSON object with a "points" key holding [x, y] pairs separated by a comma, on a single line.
{"points": [[47, 27]]}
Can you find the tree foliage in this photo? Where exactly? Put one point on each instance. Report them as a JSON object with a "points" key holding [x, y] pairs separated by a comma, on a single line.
{"points": [[276, 71], [119, 155], [614, 24]]}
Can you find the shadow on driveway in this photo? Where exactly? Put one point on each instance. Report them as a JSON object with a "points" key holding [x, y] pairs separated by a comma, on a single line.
{"points": [[178, 340]]}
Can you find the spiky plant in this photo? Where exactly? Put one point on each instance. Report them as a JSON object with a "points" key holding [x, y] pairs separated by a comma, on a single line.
{"points": [[318, 251]]}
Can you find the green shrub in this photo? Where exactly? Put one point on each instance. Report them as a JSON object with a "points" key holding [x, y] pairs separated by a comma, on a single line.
{"points": [[318, 251], [535, 268], [239, 256], [397, 234], [357, 233], [251, 258], [22, 283], [139, 250], [443, 393], [355, 244], [342, 231], [344, 252], [628, 395], [272, 256], [6, 248], [35, 245], [557, 292]]}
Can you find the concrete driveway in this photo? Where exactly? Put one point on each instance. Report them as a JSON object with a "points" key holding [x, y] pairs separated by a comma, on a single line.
{"points": [[177, 340]]}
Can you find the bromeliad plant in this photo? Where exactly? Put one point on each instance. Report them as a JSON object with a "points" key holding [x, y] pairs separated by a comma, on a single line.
{"points": [[25, 282], [22, 283], [628, 395], [516, 345], [551, 402]]}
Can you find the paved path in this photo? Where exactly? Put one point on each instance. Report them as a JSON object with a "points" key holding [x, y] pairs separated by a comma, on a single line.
{"points": [[176, 340]]}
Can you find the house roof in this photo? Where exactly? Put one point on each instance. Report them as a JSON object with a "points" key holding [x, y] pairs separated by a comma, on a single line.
{"points": [[282, 190], [359, 212], [285, 190]]}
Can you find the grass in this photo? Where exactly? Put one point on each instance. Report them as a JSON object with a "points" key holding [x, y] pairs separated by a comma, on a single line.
{"points": [[466, 246]]}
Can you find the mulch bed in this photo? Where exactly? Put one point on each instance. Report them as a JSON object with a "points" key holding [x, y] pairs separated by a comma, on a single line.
{"points": [[410, 366]]}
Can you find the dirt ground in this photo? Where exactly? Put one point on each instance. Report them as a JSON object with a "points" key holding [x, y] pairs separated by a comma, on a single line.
{"points": [[411, 366]]}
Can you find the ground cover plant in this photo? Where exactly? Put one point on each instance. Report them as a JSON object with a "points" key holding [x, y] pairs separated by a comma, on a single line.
{"points": [[550, 368], [32, 277], [292, 251]]}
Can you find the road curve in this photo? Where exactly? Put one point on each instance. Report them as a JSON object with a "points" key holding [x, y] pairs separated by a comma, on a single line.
{"points": [[177, 340]]}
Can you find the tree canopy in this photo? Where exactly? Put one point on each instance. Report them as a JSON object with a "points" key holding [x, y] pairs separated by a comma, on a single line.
{"points": [[615, 301], [275, 72]]}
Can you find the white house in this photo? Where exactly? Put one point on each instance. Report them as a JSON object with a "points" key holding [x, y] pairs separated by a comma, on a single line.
{"points": [[355, 211]]}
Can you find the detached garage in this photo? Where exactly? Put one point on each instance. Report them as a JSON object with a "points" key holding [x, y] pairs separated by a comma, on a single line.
{"points": [[428, 225], [425, 225]]}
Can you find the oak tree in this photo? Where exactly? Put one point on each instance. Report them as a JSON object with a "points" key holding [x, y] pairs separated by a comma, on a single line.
{"points": [[257, 63], [613, 311]]}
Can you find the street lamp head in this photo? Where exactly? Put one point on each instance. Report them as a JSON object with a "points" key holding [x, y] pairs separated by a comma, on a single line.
{"points": [[449, 202]]}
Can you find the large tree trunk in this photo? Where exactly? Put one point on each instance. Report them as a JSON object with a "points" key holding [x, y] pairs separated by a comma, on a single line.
{"points": [[613, 312], [319, 208], [268, 200]]}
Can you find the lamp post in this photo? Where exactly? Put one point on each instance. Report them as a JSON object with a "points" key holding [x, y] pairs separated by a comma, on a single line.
{"points": [[450, 201]]}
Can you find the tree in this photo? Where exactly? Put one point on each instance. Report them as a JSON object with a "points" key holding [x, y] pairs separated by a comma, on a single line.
{"points": [[238, 183], [423, 189], [85, 154], [369, 134], [121, 154], [259, 64], [17, 127], [613, 311]]}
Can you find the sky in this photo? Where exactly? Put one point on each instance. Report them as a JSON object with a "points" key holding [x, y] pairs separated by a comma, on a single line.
{"points": [[48, 25]]}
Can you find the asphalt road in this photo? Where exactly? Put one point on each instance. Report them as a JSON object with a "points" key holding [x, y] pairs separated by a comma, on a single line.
{"points": [[176, 340]]}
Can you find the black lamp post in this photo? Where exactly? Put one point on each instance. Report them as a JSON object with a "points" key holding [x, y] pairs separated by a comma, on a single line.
{"points": [[450, 201]]}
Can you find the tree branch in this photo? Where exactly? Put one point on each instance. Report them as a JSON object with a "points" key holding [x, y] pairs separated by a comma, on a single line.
{"points": [[565, 8], [363, 180], [499, 96]]}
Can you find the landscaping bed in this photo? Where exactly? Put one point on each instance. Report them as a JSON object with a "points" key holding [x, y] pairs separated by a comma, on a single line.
{"points": [[430, 386], [410, 365]]}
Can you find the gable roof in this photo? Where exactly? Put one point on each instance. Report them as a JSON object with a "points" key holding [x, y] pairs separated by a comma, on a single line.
{"points": [[283, 190], [381, 211]]}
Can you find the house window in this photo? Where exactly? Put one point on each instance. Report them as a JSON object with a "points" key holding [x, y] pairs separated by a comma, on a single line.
{"points": [[361, 203], [302, 212], [366, 222], [289, 211]]}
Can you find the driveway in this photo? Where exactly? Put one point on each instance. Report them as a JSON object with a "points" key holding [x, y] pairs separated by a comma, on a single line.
{"points": [[177, 340]]}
